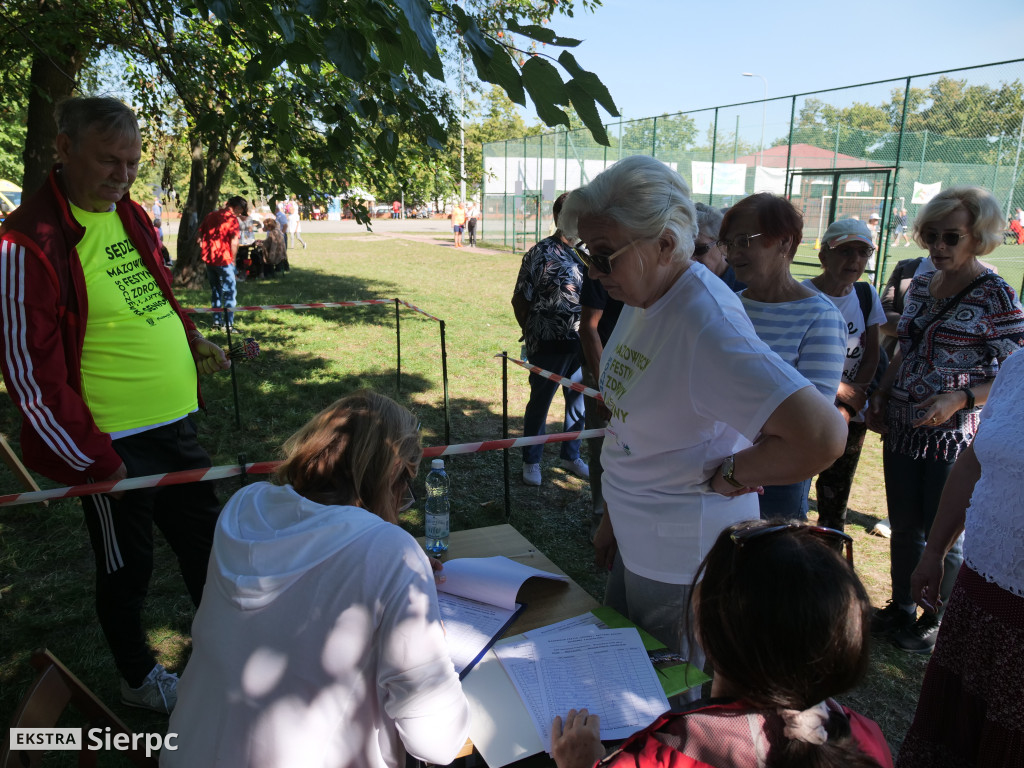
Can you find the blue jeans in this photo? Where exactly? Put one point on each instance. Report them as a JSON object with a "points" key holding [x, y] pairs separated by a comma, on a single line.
{"points": [[222, 291], [542, 392], [912, 491], [786, 501]]}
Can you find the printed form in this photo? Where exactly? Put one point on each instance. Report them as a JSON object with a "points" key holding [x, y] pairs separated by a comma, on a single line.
{"points": [[608, 672]]}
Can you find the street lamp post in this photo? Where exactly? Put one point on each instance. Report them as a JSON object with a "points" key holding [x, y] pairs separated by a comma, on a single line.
{"points": [[764, 111]]}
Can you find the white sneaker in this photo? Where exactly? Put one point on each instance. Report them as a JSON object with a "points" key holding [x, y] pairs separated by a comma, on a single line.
{"points": [[882, 529], [577, 466], [531, 474], [158, 692]]}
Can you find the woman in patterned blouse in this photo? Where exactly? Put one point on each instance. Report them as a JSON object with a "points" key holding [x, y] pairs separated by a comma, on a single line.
{"points": [[958, 324]]}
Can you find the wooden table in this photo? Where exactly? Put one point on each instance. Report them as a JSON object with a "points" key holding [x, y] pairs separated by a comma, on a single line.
{"points": [[546, 601]]}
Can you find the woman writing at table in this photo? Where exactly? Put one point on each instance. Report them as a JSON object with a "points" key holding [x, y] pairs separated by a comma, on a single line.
{"points": [[702, 411], [781, 648], [318, 642]]}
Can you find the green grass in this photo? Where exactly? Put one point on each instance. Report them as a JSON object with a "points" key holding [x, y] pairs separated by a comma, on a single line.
{"points": [[309, 359]]}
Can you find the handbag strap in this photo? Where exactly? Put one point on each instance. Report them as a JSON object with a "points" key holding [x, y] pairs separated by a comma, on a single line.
{"points": [[915, 340]]}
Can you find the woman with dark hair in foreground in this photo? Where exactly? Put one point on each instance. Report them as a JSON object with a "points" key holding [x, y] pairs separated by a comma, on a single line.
{"points": [[781, 648]]}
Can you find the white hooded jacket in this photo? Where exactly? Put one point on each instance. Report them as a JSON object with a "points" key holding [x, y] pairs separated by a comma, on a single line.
{"points": [[318, 643]]}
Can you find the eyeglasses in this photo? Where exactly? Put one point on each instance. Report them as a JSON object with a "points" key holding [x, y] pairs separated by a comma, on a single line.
{"points": [[409, 499], [603, 263], [700, 249], [952, 239], [740, 241], [830, 536]]}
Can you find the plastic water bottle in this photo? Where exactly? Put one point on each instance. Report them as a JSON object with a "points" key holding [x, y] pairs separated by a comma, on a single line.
{"points": [[437, 512]]}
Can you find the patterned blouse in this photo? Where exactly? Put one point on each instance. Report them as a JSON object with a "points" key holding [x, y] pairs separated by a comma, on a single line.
{"points": [[550, 279], [963, 350]]}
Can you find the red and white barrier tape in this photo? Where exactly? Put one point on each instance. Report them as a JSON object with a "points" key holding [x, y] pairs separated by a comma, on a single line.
{"points": [[265, 468], [417, 309], [318, 305], [573, 385]]}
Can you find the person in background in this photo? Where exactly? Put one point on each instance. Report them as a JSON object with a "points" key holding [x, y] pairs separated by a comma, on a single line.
{"points": [[706, 250], [247, 225], [960, 323], [294, 213], [546, 302], [274, 253], [845, 250], [472, 214], [969, 713], [899, 221], [282, 221], [396, 210], [320, 643], [760, 235], [690, 388], [218, 239], [599, 314], [458, 222], [105, 377], [770, 705], [165, 255], [157, 210]]}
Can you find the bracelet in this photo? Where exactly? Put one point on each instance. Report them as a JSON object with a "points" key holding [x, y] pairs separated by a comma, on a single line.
{"points": [[970, 399]]}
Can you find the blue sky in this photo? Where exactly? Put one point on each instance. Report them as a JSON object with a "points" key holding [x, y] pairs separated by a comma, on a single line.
{"points": [[665, 56]]}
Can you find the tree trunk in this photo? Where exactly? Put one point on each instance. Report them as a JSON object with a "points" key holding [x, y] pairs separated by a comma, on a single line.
{"points": [[188, 267], [206, 175], [51, 80]]}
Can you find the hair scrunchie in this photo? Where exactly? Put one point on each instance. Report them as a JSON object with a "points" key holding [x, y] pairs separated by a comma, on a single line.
{"points": [[808, 725]]}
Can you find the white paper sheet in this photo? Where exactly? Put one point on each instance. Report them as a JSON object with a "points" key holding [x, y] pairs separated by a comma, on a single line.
{"points": [[608, 672], [469, 626], [494, 580]]}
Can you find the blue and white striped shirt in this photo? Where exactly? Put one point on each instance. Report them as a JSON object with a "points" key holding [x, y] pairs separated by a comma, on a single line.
{"points": [[809, 334]]}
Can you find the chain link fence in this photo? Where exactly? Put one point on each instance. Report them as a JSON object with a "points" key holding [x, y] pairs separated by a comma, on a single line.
{"points": [[882, 148]]}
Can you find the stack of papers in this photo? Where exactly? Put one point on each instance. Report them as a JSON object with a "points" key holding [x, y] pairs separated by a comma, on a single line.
{"points": [[575, 664], [478, 603]]}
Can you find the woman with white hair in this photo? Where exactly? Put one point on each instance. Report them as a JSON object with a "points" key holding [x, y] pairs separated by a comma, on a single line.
{"points": [[959, 324], [702, 411], [706, 249]]}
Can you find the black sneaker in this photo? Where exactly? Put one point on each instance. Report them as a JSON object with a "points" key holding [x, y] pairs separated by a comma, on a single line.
{"points": [[920, 637], [891, 619]]}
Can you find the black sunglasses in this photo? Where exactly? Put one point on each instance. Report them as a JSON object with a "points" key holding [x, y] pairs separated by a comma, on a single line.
{"points": [[952, 239], [699, 249], [831, 536], [600, 262]]}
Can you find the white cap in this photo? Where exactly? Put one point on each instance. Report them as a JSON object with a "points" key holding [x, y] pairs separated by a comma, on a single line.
{"points": [[437, 464]]}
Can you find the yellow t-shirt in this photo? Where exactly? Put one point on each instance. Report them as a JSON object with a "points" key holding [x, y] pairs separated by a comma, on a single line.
{"points": [[137, 368]]}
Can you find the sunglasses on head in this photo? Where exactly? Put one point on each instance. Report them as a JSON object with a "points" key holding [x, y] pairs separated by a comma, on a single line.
{"points": [[952, 239], [836, 539]]}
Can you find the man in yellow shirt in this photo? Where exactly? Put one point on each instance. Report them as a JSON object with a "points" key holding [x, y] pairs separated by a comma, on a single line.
{"points": [[458, 222], [102, 363]]}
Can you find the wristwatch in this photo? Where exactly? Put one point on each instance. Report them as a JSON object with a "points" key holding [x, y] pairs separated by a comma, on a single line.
{"points": [[728, 470]]}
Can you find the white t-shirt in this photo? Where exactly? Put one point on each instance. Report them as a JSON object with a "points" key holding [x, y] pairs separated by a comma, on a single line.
{"points": [[318, 644], [994, 525], [849, 308], [688, 383]]}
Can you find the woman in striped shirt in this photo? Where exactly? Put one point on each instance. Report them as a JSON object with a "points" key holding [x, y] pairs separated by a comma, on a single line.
{"points": [[760, 235]]}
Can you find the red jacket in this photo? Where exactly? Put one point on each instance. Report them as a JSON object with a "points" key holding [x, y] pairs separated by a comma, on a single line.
{"points": [[43, 310]]}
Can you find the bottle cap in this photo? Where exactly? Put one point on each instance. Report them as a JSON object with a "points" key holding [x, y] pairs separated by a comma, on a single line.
{"points": [[437, 464]]}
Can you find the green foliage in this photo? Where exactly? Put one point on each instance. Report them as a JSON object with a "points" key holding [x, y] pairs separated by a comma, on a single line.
{"points": [[13, 117]]}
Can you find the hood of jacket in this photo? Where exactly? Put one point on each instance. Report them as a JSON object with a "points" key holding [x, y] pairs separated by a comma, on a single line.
{"points": [[268, 537]]}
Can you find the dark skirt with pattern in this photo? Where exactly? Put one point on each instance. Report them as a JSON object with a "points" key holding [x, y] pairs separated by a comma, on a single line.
{"points": [[971, 711]]}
